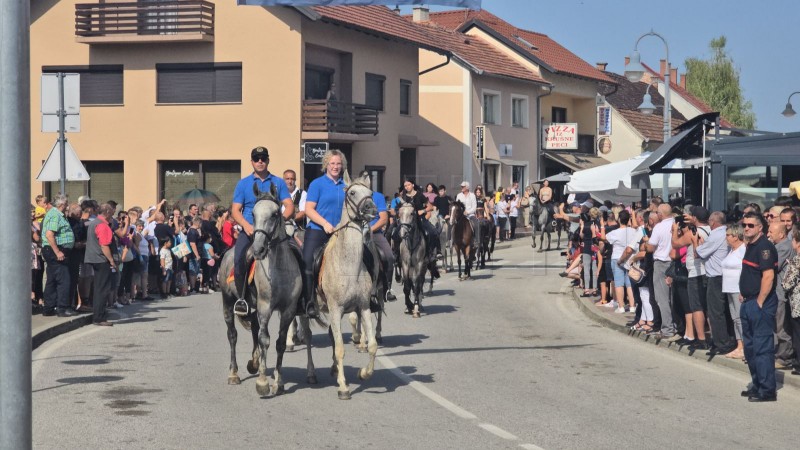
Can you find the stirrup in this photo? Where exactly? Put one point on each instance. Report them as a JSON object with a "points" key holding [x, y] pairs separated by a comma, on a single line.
{"points": [[241, 308]]}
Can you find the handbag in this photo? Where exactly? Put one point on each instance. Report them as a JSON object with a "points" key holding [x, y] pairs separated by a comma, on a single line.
{"points": [[636, 273]]}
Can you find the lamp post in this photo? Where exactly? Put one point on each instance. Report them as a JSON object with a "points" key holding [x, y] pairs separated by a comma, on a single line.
{"points": [[789, 111], [634, 71]]}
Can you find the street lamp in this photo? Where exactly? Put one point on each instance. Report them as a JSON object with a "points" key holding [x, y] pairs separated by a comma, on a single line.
{"points": [[789, 111], [634, 71], [647, 107]]}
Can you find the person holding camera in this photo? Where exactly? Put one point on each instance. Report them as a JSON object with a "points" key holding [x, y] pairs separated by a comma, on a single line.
{"points": [[690, 227]]}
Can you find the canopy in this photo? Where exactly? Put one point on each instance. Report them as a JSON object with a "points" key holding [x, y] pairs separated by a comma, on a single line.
{"points": [[562, 177], [613, 181]]}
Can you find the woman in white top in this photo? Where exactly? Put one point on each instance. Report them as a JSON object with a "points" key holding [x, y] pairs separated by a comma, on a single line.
{"points": [[731, 270], [513, 213], [619, 240], [502, 210]]}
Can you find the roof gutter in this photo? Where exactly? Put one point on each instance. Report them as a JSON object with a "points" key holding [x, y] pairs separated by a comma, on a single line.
{"points": [[438, 66]]}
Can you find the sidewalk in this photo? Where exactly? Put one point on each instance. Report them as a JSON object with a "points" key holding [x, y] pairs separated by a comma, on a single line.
{"points": [[45, 328], [609, 319]]}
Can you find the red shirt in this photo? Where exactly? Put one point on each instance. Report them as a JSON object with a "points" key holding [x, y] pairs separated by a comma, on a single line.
{"points": [[227, 233], [103, 232]]}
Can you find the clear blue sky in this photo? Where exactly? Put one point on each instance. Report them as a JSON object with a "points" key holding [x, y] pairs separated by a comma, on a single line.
{"points": [[763, 39]]}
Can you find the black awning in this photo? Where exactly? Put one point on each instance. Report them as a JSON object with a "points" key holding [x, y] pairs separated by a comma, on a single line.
{"points": [[684, 145], [576, 161]]}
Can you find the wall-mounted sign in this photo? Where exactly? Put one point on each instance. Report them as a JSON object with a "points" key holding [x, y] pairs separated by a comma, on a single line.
{"points": [[561, 136], [314, 151], [604, 121], [179, 173], [479, 142], [604, 145]]}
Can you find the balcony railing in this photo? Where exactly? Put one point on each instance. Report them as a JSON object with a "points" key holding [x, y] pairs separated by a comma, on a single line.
{"points": [[145, 21], [329, 116]]}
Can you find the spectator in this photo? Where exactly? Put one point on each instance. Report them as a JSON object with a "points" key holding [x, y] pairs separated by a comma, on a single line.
{"points": [[77, 221], [502, 209], [165, 258], [229, 230], [42, 205], [789, 218], [659, 243], [37, 263], [588, 229], [524, 207], [513, 214], [784, 353], [56, 250], [99, 255], [791, 285], [688, 230], [147, 246], [713, 251], [731, 271], [195, 244], [619, 239]]}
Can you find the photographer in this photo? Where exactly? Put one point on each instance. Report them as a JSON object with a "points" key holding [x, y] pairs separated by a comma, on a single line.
{"points": [[693, 222]]}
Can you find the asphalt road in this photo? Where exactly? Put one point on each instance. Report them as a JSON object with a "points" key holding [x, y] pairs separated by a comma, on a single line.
{"points": [[500, 361]]}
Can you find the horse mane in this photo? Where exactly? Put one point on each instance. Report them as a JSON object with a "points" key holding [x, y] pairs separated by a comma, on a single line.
{"points": [[460, 204]]}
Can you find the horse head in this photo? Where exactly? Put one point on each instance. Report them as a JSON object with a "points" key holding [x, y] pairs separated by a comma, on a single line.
{"points": [[405, 218], [456, 211], [267, 220], [359, 205]]}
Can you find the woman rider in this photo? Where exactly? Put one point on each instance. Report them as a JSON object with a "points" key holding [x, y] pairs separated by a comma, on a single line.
{"points": [[413, 195], [324, 203], [480, 199]]}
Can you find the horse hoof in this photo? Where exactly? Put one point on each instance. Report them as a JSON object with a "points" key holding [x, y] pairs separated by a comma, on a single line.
{"points": [[540, 250], [279, 390], [415, 315], [356, 340], [362, 350], [363, 374], [344, 395], [290, 348], [262, 387], [252, 369], [234, 380], [311, 379]]}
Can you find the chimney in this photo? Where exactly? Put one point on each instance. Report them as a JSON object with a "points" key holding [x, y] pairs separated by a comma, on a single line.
{"points": [[421, 14], [663, 67], [683, 81], [673, 75], [601, 66], [627, 60]]}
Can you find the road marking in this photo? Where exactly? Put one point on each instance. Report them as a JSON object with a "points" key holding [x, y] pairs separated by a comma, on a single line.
{"points": [[446, 404]]}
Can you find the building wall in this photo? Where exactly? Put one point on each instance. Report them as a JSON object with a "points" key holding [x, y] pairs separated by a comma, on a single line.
{"points": [[626, 142], [140, 132]]}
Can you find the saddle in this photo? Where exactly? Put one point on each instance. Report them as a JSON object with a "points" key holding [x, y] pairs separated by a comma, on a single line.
{"points": [[251, 271]]}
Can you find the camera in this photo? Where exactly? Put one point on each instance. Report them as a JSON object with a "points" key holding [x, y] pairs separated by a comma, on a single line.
{"points": [[563, 253]]}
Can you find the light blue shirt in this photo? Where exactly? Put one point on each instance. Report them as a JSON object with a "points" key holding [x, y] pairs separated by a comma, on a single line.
{"points": [[329, 197], [713, 251], [244, 195]]}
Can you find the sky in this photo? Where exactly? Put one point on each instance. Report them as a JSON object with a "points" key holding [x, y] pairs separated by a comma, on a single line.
{"points": [[763, 39]]}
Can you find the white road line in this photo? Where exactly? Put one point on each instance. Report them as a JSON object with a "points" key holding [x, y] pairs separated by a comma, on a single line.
{"points": [[446, 404]]}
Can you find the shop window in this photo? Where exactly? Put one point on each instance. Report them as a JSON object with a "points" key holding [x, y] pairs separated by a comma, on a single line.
{"points": [[751, 184], [105, 183], [219, 177]]}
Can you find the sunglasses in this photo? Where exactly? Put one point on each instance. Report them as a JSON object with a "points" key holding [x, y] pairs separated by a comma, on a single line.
{"points": [[749, 225], [260, 159], [768, 216]]}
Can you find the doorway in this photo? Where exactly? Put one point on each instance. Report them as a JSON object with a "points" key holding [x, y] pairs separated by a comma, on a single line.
{"points": [[408, 163]]}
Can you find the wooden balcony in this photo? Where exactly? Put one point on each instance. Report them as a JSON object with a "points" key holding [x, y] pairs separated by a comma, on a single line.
{"points": [[145, 22], [339, 118]]}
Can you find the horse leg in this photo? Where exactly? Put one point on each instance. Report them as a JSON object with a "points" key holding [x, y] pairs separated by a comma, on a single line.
{"points": [[468, 266], [287, 319], [311, 376], [407, 294], [549, 236], [338, 354], [291, 335], [458, 254], [358, 332], [262, 382], [252, 365], [417, 290], [356, 336], [378, 328], [366, 372], [233, 369]]}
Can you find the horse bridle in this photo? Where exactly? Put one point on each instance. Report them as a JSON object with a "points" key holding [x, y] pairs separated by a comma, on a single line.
{"points": [[410, 228], [359, 217], [270, 235]]}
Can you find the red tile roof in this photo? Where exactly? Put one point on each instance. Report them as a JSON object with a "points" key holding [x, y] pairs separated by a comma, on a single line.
{"points": [[626, 100], [545, 49], [385, 22]]}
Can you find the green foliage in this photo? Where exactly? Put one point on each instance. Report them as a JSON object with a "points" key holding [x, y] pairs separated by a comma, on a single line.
{"points": [[716, 82]]}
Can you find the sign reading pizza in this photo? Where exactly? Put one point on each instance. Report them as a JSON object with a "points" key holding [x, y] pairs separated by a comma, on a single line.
{"points": [[561, 136]]}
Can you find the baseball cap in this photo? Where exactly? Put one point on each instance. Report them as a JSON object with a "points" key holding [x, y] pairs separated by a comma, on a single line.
{"points": [[259, 151], [587, 204], [700, 213], [574, 204], [465, 184]]}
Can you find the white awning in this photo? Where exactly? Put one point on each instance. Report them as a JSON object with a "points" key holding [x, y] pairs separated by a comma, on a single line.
{"points": [[613, 181]]}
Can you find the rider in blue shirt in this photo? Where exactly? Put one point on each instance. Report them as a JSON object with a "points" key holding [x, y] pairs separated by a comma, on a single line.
{"points": [[244, 199]]}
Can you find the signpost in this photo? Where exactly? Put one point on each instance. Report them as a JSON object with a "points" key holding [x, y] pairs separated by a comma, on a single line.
{"points": [[61, 108], [479, 142]]}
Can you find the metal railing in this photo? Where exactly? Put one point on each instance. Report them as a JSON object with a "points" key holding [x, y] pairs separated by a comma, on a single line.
{"points": [[332, 116], [172, 17]]}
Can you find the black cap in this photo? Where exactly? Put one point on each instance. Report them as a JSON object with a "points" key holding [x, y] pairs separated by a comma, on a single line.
{"points": [[259, 151]]}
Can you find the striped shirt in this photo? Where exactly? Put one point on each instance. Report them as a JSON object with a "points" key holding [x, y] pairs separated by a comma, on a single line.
{"points": [[55, 221]]}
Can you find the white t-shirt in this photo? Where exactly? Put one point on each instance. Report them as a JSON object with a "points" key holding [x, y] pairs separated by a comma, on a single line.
{"points": [[514, 208], [732, 269], [662, 239], [621, 238], [166, 255], [500, 209], [695, 266]]}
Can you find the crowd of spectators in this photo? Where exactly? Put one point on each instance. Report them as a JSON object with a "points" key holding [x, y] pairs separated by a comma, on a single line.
{"points": [[698, 279], [87, 257]]}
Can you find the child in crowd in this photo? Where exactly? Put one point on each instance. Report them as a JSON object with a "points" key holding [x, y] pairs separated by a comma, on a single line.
{"points": [[165, 254], [208, 263]]}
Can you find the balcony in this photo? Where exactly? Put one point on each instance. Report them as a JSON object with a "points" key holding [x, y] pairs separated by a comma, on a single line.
{"points": [[339, 121], [144, 22]]}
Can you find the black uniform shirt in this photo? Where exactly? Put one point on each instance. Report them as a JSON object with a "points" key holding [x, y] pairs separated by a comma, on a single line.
{"points": [[759, 256]]}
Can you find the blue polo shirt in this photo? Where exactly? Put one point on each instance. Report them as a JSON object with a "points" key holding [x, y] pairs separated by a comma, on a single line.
{"points": [[244, 195], [329, 197], [380, 202]]}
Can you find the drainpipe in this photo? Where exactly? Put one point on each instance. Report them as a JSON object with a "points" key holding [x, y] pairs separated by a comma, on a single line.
{"points": [[539, 128], [436, 66]]}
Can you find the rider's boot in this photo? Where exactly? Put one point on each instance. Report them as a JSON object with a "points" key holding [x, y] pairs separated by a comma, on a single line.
{"points": [[309, 302]]}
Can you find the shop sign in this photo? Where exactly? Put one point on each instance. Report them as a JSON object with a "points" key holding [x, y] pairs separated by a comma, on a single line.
{"points": [[561, 136]]}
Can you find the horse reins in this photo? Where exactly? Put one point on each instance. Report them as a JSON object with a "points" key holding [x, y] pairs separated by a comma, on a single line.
{"points": [[356, 206]]}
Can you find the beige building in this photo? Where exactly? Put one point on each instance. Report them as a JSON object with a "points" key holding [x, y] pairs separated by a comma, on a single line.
{"points": [[174, 96]]}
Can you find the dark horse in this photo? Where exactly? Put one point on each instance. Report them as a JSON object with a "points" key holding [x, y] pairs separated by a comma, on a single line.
{"points": [[462, 234], [486, 238], [278, 286]]}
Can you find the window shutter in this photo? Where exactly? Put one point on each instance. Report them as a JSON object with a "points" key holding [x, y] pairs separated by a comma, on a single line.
{"points": [[185, 86], [228, 85]]}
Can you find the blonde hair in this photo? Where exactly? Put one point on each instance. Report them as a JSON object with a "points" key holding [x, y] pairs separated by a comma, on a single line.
{"points": [[615, 210], [594, 213], [330, 154]]}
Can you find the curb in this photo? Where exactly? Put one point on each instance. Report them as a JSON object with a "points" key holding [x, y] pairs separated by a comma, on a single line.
{"points": [[45, 333], [783, 377]]}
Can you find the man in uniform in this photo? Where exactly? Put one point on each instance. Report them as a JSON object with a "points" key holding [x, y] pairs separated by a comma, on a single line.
{"points": [[759, 305], [244, 199]]}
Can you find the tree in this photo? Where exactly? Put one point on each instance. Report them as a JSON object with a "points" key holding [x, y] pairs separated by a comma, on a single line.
{"points": [[716, 82]]}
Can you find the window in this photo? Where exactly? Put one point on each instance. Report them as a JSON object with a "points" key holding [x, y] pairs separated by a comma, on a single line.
{"points": [[405, 97], [199, 83], [219, 177], [751, 184], [100, 84], [558, 115], [519, 111], [105, 183], [491, 107], [586, 143], [374, 94]]}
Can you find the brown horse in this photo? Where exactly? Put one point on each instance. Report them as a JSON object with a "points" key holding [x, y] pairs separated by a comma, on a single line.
{"points": [[461, 233]]}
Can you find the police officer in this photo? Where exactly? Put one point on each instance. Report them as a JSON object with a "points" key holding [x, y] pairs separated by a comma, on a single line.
{"points": [[244, 199], [759, 305]]}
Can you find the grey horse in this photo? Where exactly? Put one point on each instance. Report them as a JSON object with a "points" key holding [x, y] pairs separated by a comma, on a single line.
{"points": [[413, 257], [278, 286], [543, 223], [444, 228], [345, 282]]}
